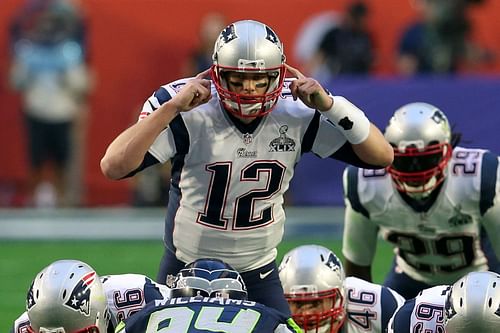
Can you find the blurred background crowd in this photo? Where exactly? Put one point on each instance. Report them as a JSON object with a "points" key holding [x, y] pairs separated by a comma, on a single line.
{"points": [[76, 74]]}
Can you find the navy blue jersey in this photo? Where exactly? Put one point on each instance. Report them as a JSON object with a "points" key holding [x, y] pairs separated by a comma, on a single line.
{"points": [[205, 315]]}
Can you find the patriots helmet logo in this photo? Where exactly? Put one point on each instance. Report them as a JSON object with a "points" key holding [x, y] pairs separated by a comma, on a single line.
{"points": [[79, 300], [30, 300], [333, 262], [228, 34]]}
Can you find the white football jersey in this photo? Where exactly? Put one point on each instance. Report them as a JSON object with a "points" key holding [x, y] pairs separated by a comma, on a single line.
{"points": [[369, 306], [424, 313], [227, 187], [126, 294], [437, 246]]}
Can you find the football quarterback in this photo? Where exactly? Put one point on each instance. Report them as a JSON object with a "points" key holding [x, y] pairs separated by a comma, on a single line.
{"points": [[234, 142]]}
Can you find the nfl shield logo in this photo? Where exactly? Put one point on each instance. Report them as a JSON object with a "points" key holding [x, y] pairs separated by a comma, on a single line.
{"points": [[247, 138]]}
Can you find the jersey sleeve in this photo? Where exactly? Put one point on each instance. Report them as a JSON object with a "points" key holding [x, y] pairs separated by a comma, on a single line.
{"points": [[360, 235], [163, 147], [21, 324], [328, 138], [400, 321], [391, 301]]}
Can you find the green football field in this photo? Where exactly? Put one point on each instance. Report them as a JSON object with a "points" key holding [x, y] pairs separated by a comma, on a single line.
{"points": [[21, 260]]}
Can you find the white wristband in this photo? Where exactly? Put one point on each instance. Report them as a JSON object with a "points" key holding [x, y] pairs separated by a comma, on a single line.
{"points": [[349, 119]]}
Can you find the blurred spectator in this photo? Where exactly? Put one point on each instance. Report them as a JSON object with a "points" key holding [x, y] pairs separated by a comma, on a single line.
{"points": [[347, 48], [50, 72], [201, 57], [439, 42]]}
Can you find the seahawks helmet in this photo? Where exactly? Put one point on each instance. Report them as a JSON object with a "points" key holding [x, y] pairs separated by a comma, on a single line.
{"points": [[248, 47], [67, 297], [473, 304], [209, 278], [420, 135], [312, 275]]}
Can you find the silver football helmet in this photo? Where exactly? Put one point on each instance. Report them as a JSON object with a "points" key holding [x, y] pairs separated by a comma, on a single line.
{"points": [[473, 304], [420, 134], [249, 47], [67, 297], [312, 277]]}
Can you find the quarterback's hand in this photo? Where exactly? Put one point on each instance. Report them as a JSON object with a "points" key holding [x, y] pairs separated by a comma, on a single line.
{"points": [[196, 92], [309, 91]]}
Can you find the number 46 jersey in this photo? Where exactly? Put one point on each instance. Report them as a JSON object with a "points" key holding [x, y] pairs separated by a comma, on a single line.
{"points": [[203, 315], [438, 245], [369, 306]]}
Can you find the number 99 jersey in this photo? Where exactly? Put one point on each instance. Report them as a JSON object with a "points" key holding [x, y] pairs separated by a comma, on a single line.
{"points": [[438, 244], [203, 314], [424, 313]]}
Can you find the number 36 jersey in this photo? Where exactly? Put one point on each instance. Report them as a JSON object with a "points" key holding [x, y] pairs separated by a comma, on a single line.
{"points": [[203, 314], [437, 246], [228, 179]]}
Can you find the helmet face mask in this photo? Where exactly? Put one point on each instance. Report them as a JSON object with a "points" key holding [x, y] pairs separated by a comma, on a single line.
{"points": [[209, 278], [67, 297], [318, 311], [421, 136], [312, 278], [248, 47]]}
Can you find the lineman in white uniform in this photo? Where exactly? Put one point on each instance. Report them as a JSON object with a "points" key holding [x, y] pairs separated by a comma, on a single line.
{"points": [[233, 159], [439, 206], [472, 304], [86, 300], [323, 300]]}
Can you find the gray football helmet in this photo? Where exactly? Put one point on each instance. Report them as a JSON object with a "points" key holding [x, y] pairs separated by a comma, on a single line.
{"points": [[473, 304], [67, 297], [248, 46], [312, 275], [420, 135]]}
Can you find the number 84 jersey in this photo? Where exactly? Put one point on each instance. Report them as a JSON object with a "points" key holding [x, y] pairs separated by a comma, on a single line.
{"points": [[438, 245]]}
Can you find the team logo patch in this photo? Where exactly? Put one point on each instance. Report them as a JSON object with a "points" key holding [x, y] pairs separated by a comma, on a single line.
{"points": [[244, 153], [283, 143], [79, 300], [459, 218], [247, 138]]}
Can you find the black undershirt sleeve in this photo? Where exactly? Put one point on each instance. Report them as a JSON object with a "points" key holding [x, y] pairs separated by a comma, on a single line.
{"points": [[346, 154]]}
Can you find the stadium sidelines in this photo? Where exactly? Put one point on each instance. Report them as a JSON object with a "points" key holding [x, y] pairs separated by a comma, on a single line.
{"points": [[142, 223]]}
